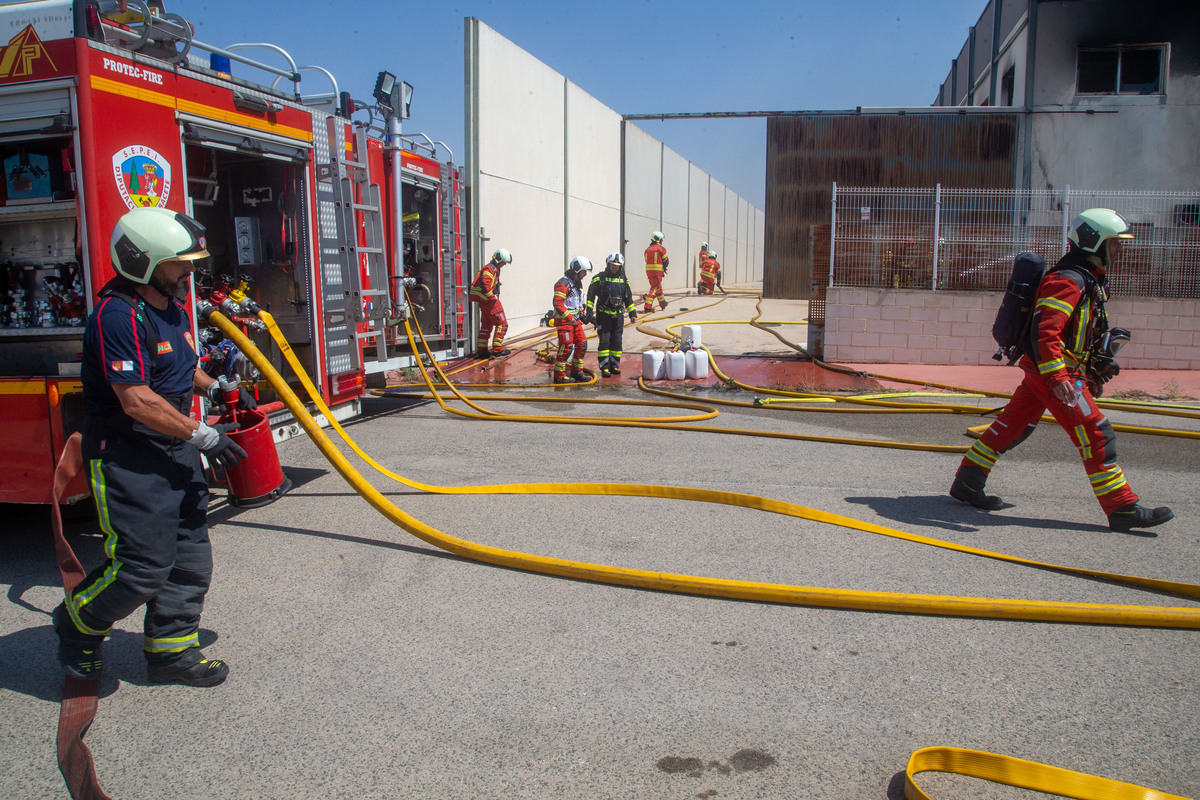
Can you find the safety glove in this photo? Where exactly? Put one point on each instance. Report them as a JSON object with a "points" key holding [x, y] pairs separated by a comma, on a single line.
{"points": [[216, 394], [214, 442]]}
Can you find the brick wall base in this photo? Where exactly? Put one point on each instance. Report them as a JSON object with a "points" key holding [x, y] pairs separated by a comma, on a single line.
{"points": [[909, 326]]}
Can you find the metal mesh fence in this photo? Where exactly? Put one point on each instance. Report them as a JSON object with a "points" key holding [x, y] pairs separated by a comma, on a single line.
{"points": [[965, 239]]}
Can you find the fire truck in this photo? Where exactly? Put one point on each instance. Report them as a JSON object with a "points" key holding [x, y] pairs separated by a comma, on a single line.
{"points": [[316, 207]]}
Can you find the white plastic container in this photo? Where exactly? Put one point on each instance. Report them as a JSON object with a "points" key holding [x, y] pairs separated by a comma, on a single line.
{"points": [[653, 365], [690, 335], [676, 371], [695, 364]]}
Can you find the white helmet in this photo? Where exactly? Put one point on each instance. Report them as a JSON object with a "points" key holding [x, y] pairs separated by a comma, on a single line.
{"points": [[712, 254], [656, 237], [148, 235], [578, 266], [704, 246], [615, 258], [1095, 226], [502, 256]]}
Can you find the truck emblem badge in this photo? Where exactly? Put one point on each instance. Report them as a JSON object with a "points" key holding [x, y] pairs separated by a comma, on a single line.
{"points": [[143, 176], [22, 52]]}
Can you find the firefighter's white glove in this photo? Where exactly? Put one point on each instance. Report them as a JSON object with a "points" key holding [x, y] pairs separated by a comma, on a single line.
{"points": [[205, 437], [1067, 393], [216, 444]]}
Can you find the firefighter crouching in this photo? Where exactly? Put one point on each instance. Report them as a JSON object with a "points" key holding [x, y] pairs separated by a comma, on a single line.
{"points": [[656, 267], [1071, 359], [609, 296], [569, 311], [710, 274], [143, 451], [485, 290]]}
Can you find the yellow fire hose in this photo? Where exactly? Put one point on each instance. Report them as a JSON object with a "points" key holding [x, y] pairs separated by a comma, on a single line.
{"points": [[891, 406], [1013, 771]]}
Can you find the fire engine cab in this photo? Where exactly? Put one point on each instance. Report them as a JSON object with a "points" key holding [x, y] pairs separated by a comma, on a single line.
{"points": [[340, 227]]}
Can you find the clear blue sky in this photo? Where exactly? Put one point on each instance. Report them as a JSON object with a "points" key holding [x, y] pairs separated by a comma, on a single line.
{"points": [[635, 56]]}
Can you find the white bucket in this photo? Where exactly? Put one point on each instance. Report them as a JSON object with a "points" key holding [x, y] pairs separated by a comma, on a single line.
{"points": [[690, 335], [675, 366], [696, 364], [653, 366]]}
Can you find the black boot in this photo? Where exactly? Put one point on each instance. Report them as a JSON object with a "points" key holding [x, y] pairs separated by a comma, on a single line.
{"points": [[1137, 516], [968, 487], [78, 654], [190, 669], [579, 375]]}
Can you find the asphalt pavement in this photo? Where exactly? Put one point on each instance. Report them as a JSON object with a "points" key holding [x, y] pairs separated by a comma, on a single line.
{"points": [[366, 663]]}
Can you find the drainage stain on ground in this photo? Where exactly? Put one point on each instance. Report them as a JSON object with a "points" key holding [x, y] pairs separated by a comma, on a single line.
{"points": [[745, 760]]}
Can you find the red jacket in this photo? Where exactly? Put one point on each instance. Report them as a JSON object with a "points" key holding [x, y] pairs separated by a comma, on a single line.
{"points": [[1065, 314], [656, 258], [486, 286]]}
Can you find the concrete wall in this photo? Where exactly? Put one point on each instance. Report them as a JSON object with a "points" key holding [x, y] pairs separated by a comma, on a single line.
{"points": [[544, 161], [898, 326]]}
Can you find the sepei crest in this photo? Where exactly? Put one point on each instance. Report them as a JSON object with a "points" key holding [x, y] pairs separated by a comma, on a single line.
{"points": [[143, 177]]}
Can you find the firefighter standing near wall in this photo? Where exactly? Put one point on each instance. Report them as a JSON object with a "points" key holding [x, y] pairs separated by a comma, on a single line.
{"points": [[1069, 363], [569, 311], [485, 290], [143, 450], [710, 274], [608, 298], [656, 267]]}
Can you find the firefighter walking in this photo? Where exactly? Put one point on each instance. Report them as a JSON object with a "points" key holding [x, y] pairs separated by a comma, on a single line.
{"points": [[710, 274], [656, 267], [609, 297], [143, 451], [485, 290], [1071, 359], [569, 310]]}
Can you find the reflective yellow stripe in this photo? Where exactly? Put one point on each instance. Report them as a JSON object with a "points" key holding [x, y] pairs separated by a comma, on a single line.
{"points": [[82, 598], [1056, 304], [1047, 367], [1107, 481], [175, 644], [102, 84]]}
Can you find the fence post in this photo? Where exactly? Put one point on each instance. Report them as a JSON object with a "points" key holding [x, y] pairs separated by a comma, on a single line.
{"points": [[832, 234], [937, 227], [1066, 216]]}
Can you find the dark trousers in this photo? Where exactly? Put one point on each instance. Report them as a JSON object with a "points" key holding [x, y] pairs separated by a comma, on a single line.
{"points": [[610, 329], [152, 500]]}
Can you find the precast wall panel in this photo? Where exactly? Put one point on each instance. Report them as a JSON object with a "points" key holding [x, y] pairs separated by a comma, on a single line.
{"points": [[593, 142], [554, 174], [516, 126], [716, 220], [729, 259], [676, 201], [698, 220]]}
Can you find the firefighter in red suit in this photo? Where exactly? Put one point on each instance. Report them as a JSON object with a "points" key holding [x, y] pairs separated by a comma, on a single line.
{"points": [[485, 290], [1069, 362], [710, 274], [656, 267], [569, 313]]}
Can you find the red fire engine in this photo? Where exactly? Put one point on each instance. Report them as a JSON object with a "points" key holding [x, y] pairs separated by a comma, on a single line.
{"points": [[340, 227]]}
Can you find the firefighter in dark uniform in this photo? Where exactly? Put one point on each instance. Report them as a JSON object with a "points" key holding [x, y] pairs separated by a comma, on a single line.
{"points": [[1070, 359], [609, 297], [142, 449]]}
